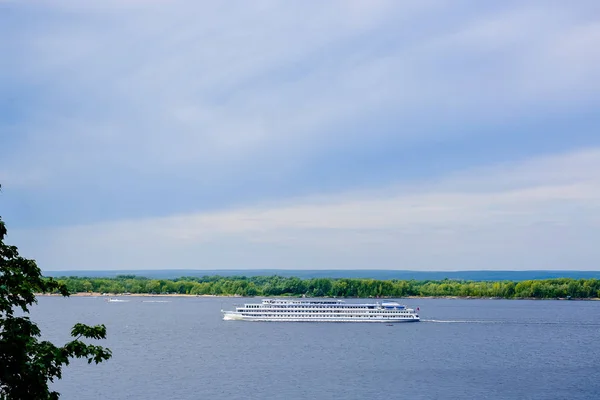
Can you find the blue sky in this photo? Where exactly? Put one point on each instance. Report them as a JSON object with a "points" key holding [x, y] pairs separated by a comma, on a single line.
{"points": [[430, 135]]}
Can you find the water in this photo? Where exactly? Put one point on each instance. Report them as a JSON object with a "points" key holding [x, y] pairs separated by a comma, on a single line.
{"points": [[180, 348]]}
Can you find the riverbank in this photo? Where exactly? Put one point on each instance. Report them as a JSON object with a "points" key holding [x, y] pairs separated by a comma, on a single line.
{"points": [[270, 286], [91, 294]]}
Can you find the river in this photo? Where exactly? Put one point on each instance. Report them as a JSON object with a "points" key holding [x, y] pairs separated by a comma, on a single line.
{"points": [[180, 348]]}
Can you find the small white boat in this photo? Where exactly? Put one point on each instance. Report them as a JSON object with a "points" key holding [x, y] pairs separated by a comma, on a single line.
{"points": [[112, 300]]}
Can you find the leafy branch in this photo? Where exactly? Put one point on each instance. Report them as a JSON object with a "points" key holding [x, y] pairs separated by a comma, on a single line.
{"points": [[28, 365]]}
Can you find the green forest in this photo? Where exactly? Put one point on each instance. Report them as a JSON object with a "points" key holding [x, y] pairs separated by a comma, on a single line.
{"points": [[326, 287]]}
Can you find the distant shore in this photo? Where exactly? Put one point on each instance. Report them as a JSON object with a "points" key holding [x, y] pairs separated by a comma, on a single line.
{"points": [[91, 294], [134, 295], [274, 286]]}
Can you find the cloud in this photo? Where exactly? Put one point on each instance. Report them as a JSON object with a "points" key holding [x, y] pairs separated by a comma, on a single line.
{"points": [[402, 227], [340, 133], [201, 85]]}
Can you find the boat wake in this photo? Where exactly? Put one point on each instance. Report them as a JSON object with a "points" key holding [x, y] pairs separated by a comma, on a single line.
{"points": [[550, 323], [440, 321]]}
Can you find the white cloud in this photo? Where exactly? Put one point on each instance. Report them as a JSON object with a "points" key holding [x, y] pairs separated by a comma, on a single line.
{"points": [[474, 225], [203, 84]]}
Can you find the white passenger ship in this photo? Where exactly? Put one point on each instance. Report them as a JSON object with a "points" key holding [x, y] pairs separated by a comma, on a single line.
{"points": [[322, 310]]}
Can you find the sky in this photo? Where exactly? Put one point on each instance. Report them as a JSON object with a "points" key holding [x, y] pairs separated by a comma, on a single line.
{"points": [[354, 134]]}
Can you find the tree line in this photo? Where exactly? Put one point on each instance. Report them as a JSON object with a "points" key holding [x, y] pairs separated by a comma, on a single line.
{"points": [[330, 287]]}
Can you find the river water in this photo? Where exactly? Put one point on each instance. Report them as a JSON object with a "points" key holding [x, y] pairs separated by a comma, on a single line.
{"points": [[180, 348]]}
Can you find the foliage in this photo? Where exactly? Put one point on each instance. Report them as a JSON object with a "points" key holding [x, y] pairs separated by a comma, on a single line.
{"points": [[281, 286], [28, 365]]}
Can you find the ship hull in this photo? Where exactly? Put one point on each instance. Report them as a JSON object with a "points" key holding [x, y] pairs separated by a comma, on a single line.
{"points": [[232, 316]]}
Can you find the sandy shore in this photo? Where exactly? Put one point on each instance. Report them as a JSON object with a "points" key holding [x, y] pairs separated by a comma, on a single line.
{"points": [[295, 297], [132, 295]]}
